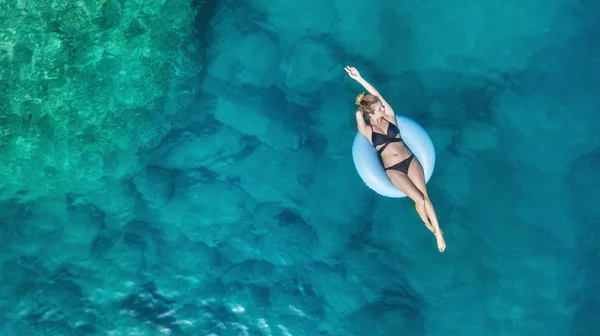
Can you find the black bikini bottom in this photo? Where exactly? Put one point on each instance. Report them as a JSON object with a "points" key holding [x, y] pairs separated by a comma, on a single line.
{"points": [[402, 166]]}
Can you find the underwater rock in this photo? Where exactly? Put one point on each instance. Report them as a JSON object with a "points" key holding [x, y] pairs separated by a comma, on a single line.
{"points": [[272, 178], [286, 20], [253, 272], [251, 121], [231, 62], [307, 67], [341, 297], [185, 149], [156, 186], [342, 188], [149, 307], [87, 91], [82, 224], [288, 245], [441, 137], [206, 212], [479, 137], [454, 178]]}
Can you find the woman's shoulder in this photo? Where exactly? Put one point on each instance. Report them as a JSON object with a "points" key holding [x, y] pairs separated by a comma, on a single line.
{"points": [[390, 119]]}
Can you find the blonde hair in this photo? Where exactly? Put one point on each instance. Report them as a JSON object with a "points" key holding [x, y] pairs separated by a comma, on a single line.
{"points": [[366, 102]]}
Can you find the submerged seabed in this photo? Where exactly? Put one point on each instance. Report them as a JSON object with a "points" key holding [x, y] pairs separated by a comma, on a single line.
{"points": [[183, 167]]}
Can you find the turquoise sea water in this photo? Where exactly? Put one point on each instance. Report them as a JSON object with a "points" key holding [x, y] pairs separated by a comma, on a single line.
{"points": [[173, 167]]}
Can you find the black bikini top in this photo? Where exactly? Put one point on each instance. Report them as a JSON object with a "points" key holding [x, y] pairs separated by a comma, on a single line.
{"points": [[385, 139]]}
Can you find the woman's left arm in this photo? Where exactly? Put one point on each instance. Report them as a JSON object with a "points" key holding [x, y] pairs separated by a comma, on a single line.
{"points": [[388, 109], [354, 74]]}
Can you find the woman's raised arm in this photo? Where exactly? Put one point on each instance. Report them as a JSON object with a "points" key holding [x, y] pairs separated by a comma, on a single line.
{"points": [[354, 74]]}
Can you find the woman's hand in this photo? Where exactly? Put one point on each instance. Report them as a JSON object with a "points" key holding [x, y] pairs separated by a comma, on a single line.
{"points": [[352, 72]]}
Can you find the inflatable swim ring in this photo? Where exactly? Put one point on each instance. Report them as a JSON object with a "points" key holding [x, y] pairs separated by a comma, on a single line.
{"points": [[367, 163]]}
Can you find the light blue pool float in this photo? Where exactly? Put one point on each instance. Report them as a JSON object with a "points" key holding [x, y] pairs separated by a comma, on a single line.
{"points": [[367, 163]]}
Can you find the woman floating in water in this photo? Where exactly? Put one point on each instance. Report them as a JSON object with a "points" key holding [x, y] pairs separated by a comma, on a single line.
{"points": [[401, 165]]}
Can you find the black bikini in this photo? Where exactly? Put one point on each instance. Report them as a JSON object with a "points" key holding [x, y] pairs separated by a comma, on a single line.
{"points": [[386, 139]]}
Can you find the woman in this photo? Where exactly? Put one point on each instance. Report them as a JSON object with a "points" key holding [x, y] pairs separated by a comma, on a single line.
{"points": [[401, 165]]}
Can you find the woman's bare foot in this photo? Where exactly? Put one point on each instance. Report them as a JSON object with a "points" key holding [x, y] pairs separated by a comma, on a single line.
{"points": [[440, 241]]}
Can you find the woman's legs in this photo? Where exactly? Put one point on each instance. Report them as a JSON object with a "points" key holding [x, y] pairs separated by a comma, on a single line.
{"points": [[406, 185], [416, 175], [410, 186]]}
